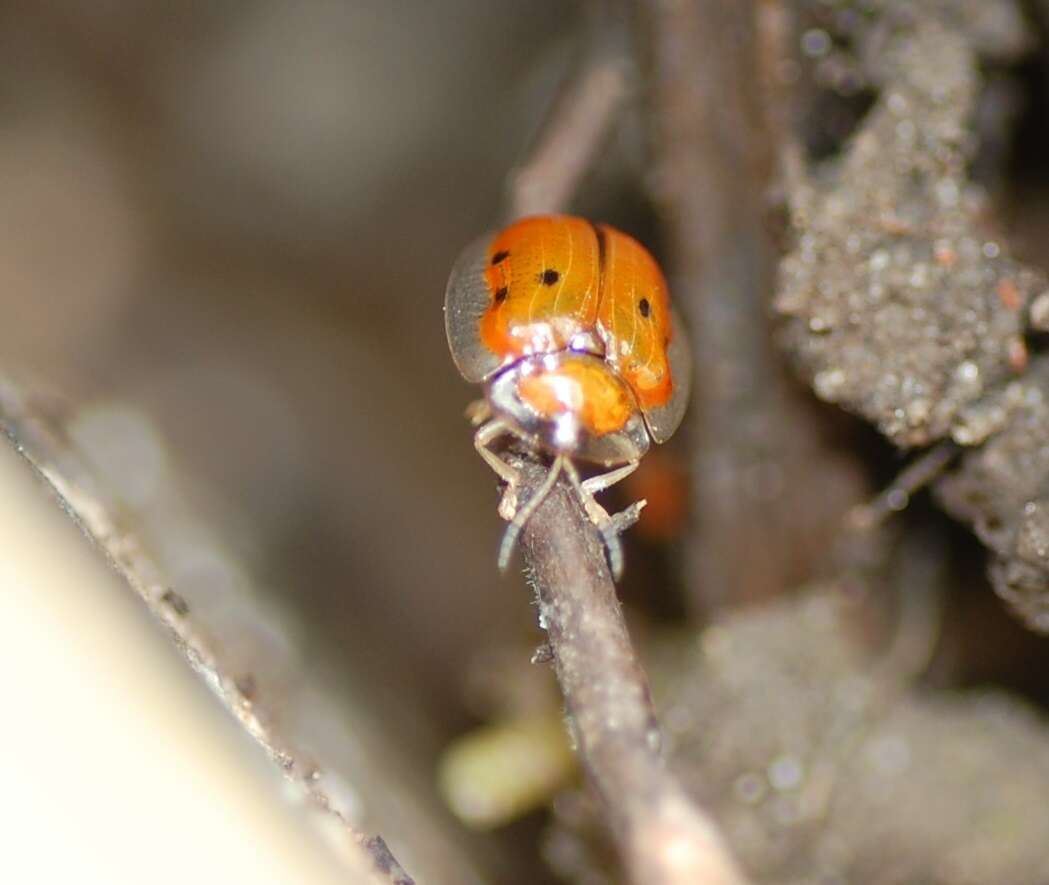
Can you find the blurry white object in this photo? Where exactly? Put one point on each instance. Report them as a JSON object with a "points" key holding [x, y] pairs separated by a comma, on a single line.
{"points": [[119, 765]]}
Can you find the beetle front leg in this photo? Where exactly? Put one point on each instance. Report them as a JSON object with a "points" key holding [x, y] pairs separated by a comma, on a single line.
{"points": [[609, 526], [487, 434], [478, 412], [587, 488], [606, 480]]}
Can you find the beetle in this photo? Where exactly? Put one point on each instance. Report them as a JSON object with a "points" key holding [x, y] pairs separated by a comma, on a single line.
{"points": [[569, 326]]}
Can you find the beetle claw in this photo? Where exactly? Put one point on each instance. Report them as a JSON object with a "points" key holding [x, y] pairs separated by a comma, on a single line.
{"points": [[508, 503], [611, 529], [478, 412]]}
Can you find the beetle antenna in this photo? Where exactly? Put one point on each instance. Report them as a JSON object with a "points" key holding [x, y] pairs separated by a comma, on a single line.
{"points": [[614, 549], [506, 548]]}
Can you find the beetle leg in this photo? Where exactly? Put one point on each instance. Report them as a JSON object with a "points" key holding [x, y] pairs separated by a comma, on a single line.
{"points": [[525, 513], [478, 412], [609, 526], [587, 487], [605, 480], [482, 439]]}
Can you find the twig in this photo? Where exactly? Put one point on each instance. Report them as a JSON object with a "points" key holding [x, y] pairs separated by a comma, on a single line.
{"points": [[711, 167], [570, 138], [71, 483], [758, 448], [897, 495], [663, 837], [385, 862]]}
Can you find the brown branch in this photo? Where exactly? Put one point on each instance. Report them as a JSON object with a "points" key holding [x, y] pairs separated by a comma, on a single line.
{"points": [[663, 837], [897, 495], [758, 448], [577, 127], [384, 861]]}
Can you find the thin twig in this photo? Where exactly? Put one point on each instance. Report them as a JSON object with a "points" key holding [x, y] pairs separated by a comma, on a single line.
{"points": [[385, 862], [576, 129], [897, 495], [41, 442], [663, 836]]}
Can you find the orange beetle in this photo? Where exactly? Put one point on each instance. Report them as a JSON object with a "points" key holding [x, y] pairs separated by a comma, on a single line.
{"points": [[569, 326]]}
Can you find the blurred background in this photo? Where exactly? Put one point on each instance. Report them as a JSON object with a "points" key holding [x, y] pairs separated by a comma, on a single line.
{"points": [[239, 218], [225, 232]]}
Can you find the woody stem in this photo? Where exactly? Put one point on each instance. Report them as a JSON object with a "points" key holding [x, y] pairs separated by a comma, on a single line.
{"points": [[662, 835]]}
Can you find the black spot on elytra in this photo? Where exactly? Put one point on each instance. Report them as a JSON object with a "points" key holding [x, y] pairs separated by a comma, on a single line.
{"points": [[500, 294], [644, 307], [549, 276], [500, 256]]}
